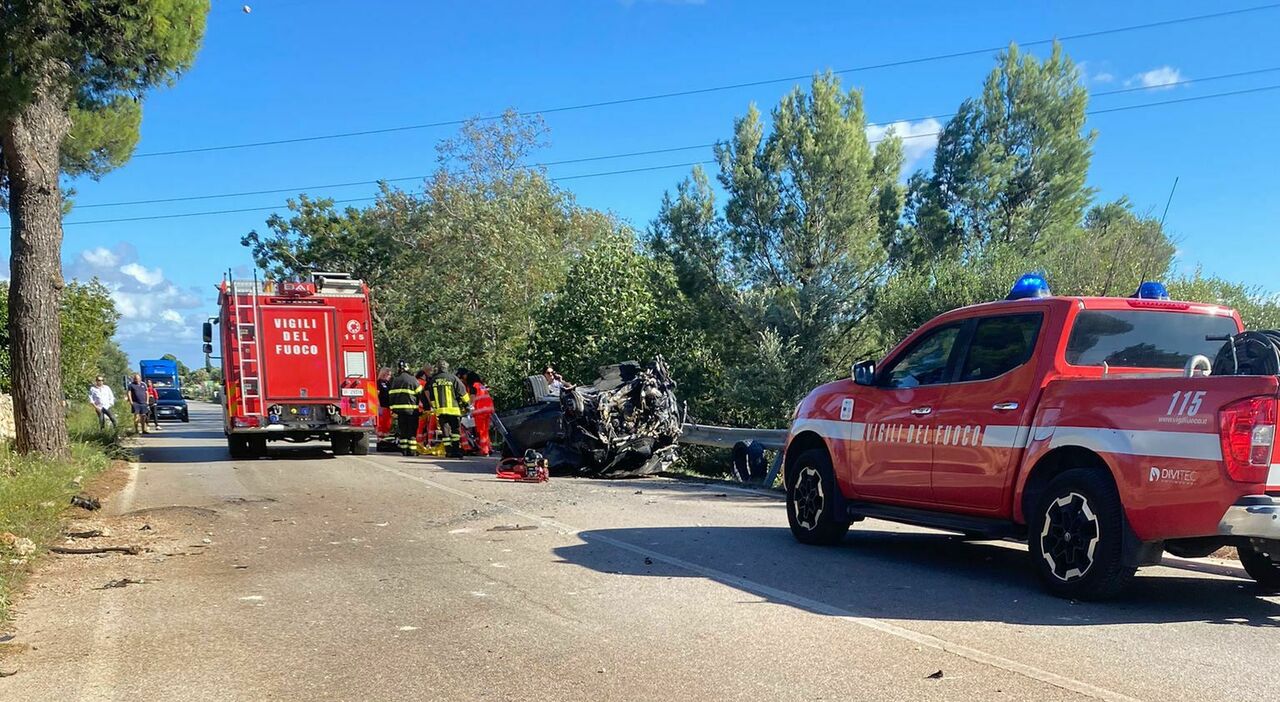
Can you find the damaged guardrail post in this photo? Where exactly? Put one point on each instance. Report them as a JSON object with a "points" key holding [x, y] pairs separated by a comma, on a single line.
{"points": [[729, 437]]}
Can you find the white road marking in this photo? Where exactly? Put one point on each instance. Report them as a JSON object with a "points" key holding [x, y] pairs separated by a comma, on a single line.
{"points": [[777, 595]]}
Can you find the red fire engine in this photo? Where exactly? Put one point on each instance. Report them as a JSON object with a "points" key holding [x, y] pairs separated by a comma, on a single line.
{"points": [[1089, 426], [297, 363]]}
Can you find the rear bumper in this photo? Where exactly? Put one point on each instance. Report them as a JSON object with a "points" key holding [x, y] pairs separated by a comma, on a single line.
{"points": [[1253, 516], [277, 429]]}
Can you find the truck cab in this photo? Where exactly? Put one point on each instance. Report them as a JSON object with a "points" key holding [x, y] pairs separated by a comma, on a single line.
{"points": [[989, 418]]}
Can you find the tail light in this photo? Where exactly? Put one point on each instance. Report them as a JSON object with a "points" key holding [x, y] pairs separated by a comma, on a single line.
{"points": [[245, 421], [1247, 429]]}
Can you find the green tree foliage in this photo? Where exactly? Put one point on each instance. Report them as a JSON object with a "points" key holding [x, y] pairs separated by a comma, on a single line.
{"points": [[87, 320], [614, 305], [1258, 309], [459, 269], [113, 364], [1010, 166], [72, 75], [799, 249]]}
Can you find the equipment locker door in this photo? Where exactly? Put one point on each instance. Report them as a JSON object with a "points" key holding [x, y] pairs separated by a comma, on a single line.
{"points": [[299, 353]]}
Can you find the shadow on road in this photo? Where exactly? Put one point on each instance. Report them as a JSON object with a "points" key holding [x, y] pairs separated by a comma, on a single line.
{"points": [[912, 577]]}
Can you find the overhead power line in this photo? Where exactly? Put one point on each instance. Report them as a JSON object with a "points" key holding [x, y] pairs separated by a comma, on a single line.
{"points": [[691, 147], [181, 215], [719, 88]]}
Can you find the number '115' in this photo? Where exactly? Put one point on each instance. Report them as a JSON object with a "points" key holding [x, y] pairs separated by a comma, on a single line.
{"points": [[1190, 405]]}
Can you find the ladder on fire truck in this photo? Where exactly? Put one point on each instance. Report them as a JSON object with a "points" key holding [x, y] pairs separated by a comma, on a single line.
{"points": [[244, 301]]}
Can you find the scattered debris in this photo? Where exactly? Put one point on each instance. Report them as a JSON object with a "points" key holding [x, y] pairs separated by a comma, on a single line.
{"points": [[131, 550], [240, 567], [206, 541], [407, 628], [20, 545], [122, 582], [87, 534], [934, 676], [252, 598], [648, 560], [145, 527], [7, 671], [513, 527], [86, 502]]}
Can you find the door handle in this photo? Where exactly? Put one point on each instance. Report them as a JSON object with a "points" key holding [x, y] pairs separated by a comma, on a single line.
{"points": [[1004, 406], [921, 411]]}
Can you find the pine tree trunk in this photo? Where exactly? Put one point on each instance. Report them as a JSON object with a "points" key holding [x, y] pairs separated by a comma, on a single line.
{"points": [[32, 139]]}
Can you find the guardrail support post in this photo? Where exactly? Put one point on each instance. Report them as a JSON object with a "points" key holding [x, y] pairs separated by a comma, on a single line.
{"points": [[772, 475]]}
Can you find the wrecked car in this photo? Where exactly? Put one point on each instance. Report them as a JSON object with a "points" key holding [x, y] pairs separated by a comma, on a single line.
{"points": [[626, 423]]}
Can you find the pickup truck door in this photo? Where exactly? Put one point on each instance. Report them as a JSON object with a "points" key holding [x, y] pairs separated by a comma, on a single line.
{"points": [[982, 425], [900, 414]]}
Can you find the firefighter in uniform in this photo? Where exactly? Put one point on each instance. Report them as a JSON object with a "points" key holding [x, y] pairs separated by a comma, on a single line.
{"points": [[405, 395], [448, 396]]}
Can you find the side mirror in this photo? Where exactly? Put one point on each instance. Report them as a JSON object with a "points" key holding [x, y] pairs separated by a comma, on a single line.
{"points": [[864, 373], [207, 348], [207, 329]]}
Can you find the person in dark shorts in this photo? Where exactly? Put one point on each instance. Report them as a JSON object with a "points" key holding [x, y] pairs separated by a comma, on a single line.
{"points": [[137, 395]]}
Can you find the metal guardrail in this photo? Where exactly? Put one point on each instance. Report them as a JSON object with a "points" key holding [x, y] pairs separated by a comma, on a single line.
{"points": [[726, 437]]}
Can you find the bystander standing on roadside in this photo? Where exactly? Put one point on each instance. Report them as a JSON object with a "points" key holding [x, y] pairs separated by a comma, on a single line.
{"points": [[137, 394], [153, 397], [103, 399]]}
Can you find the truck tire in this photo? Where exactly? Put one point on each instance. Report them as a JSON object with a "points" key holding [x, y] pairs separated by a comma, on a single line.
{"points": [[360, 444], [340, 443], [812, 502], [237, 446], [1077, 534], [1261, 560]]}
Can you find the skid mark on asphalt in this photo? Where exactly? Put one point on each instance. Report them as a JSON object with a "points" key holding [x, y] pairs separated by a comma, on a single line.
{"points": [[800, 601]]}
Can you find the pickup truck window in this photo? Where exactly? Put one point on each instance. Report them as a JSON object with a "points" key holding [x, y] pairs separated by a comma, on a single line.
{"points": [[1000, 344], [926, 362], [1144, 338]]}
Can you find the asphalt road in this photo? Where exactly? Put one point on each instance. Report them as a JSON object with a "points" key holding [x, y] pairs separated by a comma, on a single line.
{"points": [[387, 578]]}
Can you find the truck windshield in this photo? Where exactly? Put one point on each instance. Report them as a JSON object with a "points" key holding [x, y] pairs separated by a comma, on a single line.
{"points": [[1144, 338]]}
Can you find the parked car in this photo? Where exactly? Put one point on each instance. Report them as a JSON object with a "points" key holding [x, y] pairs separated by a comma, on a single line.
{"points": [[171, 405]]}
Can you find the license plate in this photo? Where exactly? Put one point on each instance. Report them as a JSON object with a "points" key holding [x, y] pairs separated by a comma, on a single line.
{"points": [[352, 392]]}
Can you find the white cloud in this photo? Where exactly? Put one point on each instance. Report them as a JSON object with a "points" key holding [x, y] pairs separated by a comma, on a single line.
{"points": [[141, 274], [918, 138], [1104, 78], [100, 257], [156, 315], [1162, 78]]}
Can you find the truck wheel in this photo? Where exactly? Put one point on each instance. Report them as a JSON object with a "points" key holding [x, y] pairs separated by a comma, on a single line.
{"points": [[1077, 534], [812, 501], [360, 444], [340, 443], [1261, 560], [237, 446]]}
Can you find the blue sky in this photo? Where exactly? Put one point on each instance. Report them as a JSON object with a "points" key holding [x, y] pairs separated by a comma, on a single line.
{"points": [[290, 69]]}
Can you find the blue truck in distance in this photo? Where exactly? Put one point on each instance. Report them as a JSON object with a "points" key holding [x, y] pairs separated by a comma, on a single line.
{"points": [[161, 371]]}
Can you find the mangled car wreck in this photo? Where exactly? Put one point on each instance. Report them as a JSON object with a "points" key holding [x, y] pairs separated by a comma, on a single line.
{"points": [[626, 423]]}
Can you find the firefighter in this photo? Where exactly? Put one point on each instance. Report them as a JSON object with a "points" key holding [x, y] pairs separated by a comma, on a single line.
{"points": [[406, 397], [448, 397], [384, 426], [481, 409]]}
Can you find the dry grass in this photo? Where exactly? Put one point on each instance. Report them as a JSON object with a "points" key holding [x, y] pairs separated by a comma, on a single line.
{"points": [[35, 495]]}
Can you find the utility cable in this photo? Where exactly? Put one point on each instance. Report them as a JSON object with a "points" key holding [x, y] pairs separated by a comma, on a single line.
{"points": [[718, 88]]}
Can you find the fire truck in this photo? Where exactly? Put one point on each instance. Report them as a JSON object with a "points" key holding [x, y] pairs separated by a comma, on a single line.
{"points": [[1098, 429], [297, 363]]}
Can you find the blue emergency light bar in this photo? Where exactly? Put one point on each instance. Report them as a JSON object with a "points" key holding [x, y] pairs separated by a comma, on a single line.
{"points": [[1029, 286], [1151, 290]]}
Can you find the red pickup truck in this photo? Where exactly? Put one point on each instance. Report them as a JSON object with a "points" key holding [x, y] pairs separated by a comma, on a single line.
{"points": [[1087, 426]]}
